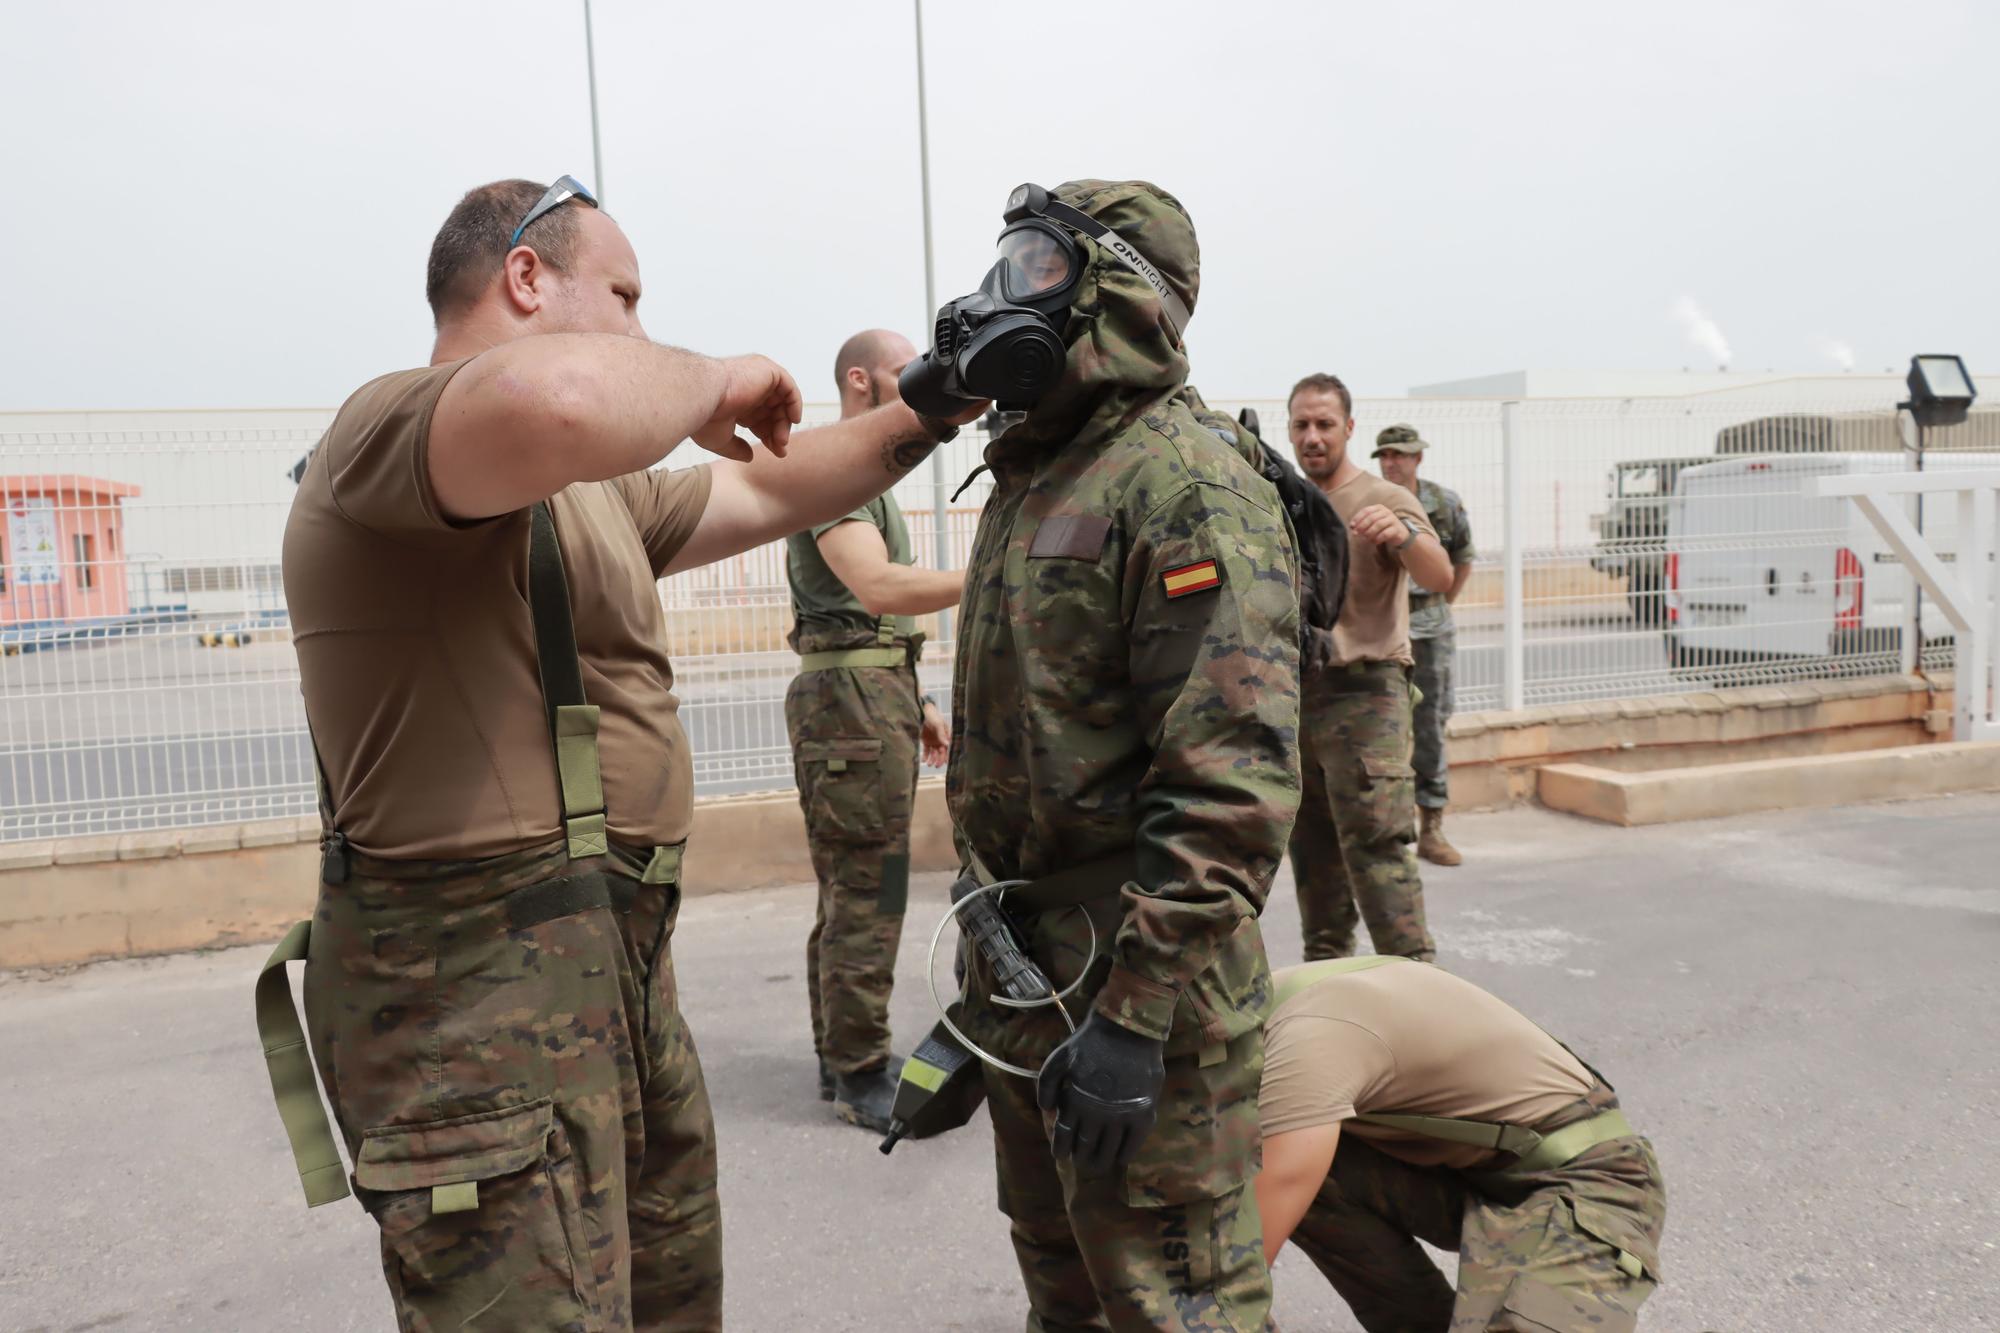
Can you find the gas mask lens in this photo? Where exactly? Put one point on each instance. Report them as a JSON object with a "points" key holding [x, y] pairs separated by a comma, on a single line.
{"points": [[1033, 262]]}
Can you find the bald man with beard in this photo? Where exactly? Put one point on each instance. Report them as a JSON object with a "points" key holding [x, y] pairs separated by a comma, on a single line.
{"points": [[857, 719]]}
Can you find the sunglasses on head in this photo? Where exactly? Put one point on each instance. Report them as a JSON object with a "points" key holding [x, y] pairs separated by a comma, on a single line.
{"points": [[565, 189]]}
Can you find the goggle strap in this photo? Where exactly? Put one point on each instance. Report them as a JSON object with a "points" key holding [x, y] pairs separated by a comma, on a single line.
{"points": [[1128, 254]]}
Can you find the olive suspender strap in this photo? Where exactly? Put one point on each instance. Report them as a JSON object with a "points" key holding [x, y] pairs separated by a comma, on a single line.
{"points": [[572, 722], [289, 1062], [332, 842]]}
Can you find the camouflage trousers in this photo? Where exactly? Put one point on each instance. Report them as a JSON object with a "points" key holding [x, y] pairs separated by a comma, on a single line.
{"points": [[854, 737], [1432, 677], [1573, 1249], [503, 1049], [1351, 848], [1174, 1242]]}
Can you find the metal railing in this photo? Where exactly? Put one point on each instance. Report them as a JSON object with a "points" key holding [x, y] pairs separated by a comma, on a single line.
{"points": [[1625, 547]]}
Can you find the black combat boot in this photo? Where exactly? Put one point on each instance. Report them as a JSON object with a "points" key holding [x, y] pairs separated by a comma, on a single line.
{"points": [[866, 1096]]}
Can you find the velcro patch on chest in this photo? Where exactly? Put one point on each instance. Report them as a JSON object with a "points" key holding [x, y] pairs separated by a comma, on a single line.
{"points": [[1197, 577], [1070, 537]]}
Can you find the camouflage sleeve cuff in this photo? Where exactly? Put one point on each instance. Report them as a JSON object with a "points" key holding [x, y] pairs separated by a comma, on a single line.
{"points": [[1136, 1004]]}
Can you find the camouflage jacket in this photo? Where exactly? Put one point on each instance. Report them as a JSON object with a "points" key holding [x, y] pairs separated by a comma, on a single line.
{"points": [[1430, 613], [1127, 674]]}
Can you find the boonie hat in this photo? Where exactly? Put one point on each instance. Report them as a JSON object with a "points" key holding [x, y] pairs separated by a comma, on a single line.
{"points": [[1399, 439]]}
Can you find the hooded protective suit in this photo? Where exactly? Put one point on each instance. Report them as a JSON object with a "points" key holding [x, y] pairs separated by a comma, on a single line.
{"points": [[1127, 687]]}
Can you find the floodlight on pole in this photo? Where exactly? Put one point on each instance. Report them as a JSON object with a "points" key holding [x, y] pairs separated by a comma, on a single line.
{"points": [[1941, 394]]}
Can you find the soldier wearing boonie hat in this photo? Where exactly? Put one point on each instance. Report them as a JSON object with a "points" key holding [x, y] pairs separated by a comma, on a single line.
{"points": [[1433, 637]]}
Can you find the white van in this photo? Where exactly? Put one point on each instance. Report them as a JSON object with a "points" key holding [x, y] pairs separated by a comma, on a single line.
{"points": [[1759, 568]]}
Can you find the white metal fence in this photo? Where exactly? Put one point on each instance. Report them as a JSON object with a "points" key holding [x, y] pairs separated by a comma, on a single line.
{"points": [[1626, 547]]}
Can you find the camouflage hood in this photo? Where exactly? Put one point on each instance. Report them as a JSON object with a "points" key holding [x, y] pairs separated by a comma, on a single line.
{"points": [[1123, 359]]}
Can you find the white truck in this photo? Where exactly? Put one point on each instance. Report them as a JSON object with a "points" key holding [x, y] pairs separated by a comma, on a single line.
{"points": [[1759, 569]]}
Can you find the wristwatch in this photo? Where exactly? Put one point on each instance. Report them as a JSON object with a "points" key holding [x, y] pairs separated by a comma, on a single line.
{"points": [[930, 700], [1404, 545]]}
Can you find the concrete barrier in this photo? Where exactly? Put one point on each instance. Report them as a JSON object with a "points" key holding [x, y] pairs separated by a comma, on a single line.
{"points": [[1495, 756], [756, 842], [1670, 795], [76, 900]]}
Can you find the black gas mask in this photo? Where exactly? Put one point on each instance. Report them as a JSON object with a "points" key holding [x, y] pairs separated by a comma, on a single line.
{"points": [[1006, 340]]}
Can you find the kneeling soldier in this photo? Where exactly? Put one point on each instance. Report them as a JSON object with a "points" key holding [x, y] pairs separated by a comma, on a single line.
{"points": [[1466, 1126]]}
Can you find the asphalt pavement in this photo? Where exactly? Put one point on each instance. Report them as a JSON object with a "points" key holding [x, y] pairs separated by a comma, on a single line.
{"points": [[1798, 1008]]}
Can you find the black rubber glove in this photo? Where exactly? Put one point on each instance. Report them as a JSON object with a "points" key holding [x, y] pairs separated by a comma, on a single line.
{"points": [[1104, 1086]]}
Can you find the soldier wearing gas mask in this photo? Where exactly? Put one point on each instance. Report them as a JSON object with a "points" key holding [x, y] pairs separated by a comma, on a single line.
{"points": [[1124, 752]]}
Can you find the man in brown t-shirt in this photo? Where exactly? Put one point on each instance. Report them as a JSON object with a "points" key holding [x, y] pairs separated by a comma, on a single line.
{"points": [[1400, 1103], [1351, 846], [489, 991]]}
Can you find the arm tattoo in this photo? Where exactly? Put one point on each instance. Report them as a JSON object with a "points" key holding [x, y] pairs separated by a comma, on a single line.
{"points": [[902, 454]]}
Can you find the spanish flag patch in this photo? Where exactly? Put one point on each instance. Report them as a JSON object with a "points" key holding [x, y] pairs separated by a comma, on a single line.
{"points": [[1198, 577]]}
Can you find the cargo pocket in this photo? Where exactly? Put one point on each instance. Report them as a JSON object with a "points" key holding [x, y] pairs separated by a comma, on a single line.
{"points": [[1610, 1265], [481, 1219], [1637, 1255], [1536, 1307], [1390, 791], [1205, 1142], [845, 795], [1385, 770]]}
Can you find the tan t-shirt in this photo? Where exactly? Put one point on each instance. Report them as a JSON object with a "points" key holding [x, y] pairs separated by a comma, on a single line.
{"points": [[1374, 623], [417, 650], [1406, 1038]]}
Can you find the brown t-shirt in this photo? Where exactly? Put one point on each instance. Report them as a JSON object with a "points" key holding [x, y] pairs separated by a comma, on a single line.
{"points": [[1374, 623], [1406, 1038], [417, 650]]}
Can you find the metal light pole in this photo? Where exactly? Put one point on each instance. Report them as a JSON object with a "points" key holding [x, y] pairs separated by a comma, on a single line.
{"points": [[1912, 656], [940, 513], [1513, 638], [590, 64]]}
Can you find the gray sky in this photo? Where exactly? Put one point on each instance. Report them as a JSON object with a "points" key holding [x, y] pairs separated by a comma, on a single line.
{"points": [[218, 204]]}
